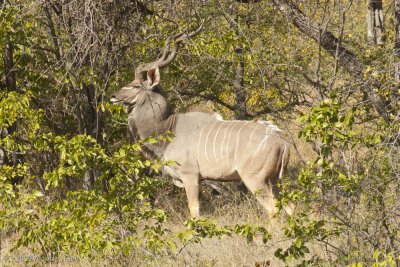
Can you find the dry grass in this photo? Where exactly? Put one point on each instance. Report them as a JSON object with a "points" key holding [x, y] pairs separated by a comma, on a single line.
{"points": [[227, 251], [25, 257]]}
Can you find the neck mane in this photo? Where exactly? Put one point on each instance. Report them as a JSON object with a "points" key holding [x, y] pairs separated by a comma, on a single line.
{"points": [[152, 115]]}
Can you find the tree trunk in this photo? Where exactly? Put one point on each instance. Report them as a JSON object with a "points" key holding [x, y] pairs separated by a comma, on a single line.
{"points": [[238, 86], [94, 126], [330, 43], [395, 95], [12, 158], [8, 66], [375, 25], [238, 83]]}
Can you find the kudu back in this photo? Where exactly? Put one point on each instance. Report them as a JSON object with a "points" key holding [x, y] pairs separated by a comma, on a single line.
{"points": [[205, 146]]}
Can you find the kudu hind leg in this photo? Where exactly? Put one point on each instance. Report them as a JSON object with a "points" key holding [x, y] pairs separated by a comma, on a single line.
{"points": [[264, 195], [267, 200], [276, 190]]}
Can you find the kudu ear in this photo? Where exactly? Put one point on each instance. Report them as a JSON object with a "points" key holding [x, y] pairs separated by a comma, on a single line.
{"points": [[153, 77]]}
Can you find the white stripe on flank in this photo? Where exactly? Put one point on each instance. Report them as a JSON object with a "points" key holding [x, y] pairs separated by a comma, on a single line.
{"points": [[198, 148], [223, 140], [205, 144], [283, 158], [229, 137], [215, 137], [262, 142], [255, 128], [237, 142]]}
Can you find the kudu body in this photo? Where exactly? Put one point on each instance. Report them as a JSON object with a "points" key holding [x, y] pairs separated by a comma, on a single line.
{"points": [[205, 146]]}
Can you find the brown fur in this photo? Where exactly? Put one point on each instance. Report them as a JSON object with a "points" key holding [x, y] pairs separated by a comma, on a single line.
{"points": [[133, 136]]}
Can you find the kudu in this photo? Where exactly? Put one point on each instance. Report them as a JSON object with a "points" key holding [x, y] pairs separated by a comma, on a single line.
{"points": [[204, 146]]}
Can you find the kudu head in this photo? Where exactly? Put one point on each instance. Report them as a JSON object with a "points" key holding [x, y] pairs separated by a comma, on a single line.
{"points": [[147, 77]]}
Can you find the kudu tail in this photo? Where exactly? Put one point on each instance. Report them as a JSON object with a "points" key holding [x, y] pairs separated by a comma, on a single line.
{"points": [[285, 162], [284, 165]]}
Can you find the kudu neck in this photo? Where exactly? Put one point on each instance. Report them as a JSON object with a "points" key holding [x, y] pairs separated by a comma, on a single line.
{"points": [[152, 115]]}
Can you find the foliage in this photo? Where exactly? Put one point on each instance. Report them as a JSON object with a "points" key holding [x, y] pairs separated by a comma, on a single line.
{"points": [[58, 129], [334, 184], [197, 229], [388, 259], [83, 223]]}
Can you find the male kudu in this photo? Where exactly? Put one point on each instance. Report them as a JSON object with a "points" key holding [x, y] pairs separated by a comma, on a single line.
{"points": [[205, 146]]}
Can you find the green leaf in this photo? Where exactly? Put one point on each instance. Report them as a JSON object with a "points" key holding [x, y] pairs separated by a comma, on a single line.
{"points": [[37, 193], [152, 140], [298, 242], [187, 235], [305, 249]]}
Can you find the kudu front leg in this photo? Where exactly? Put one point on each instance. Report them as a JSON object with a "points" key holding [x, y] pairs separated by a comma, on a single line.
{"points": [[192, 188]]}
